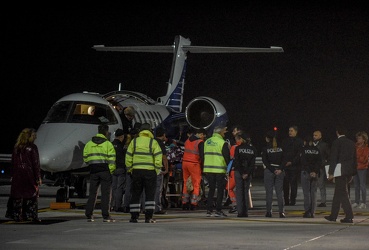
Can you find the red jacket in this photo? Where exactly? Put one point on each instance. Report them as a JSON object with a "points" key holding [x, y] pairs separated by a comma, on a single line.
{"points": [[362, 154]]}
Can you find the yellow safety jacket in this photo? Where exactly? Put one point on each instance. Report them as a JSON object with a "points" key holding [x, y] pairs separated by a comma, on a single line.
{"points": [[144, 152], [214, 161], [99, 153]]}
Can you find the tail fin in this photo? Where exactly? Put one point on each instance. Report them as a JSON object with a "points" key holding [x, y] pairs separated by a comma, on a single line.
{"points": [[174, 95]]}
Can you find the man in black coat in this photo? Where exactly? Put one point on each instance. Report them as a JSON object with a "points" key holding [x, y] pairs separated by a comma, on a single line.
{"points": [[322, 178], [343, 152], [291, 164]]}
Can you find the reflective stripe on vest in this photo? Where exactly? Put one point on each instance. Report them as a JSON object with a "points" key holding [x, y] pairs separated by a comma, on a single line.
{"points": [[214, 161], [191, 151]]}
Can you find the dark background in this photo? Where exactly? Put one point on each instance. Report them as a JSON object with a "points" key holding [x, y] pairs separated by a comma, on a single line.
{"points": [[320, 80]]}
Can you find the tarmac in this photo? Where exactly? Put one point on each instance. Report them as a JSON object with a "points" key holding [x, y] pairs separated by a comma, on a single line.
{"points": [[183, 229]]}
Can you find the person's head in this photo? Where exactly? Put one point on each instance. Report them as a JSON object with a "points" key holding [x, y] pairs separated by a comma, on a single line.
{"points": [[201, 133], [238, 138], [129, 112], [308, 140], [292, 131], [119, 134], [362, 138], [246, 138], [236, 130], [136, 128], [160, 132], [103, 129], [190, 131], [271, 137], [27, 136], [222, 130], [317, 135], [341, 130], [145, 126], [91, 110]]}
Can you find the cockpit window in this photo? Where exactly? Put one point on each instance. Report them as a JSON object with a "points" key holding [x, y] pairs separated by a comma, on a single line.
{"points": [[81, 112], [58, 112]]}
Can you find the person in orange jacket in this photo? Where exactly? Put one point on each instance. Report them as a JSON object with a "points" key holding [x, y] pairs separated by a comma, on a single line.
{"points": [[231, 183], [192, 164]]}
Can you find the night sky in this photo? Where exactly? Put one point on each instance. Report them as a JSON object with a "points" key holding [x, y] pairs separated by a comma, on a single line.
{"points": [[320, 80]]}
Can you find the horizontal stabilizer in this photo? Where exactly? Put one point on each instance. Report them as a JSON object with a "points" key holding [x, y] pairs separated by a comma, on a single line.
{"points": [[192, 49]]}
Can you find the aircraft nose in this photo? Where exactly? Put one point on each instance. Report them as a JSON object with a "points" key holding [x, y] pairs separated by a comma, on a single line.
{"points": [[54, 158]]}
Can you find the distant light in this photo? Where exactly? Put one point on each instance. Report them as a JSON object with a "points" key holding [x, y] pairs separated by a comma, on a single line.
{"points": [[275, 128], [2, 171]]}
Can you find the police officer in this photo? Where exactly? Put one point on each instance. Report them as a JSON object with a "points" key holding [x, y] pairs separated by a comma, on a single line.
{"points": [[311, 161], [244, 165], [272, 157], [99, 154], [144, 162]]}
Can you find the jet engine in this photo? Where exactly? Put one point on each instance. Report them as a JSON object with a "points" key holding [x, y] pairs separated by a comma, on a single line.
{"points": [[205, 112]]}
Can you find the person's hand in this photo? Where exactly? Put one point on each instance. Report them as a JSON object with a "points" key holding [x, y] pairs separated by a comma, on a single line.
{"points": [[288, 164], [277, 172], [244, 176], [313, 175], [330, 177]]}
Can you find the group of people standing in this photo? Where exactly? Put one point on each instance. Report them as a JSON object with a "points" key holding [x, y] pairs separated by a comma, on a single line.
{"points": [[210, 158], [314, 161], [136, 168]]}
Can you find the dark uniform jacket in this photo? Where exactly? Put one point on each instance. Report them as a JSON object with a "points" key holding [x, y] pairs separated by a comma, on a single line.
{"points": [[272, 157], [120, 157], [324, 151], [310, 159], [244, 158]]}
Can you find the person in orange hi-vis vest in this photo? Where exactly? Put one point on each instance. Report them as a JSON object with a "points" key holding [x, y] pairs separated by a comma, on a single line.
{"points": [[192, 164], [231, 183]]}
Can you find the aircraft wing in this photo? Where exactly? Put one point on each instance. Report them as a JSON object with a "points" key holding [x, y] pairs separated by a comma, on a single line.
{"points": [[189, 48], [212, 49], [157, 49]]}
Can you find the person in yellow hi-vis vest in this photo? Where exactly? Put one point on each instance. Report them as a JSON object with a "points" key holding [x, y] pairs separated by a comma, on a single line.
{"points": [[99, 154], [144, 161], [216, 159]]}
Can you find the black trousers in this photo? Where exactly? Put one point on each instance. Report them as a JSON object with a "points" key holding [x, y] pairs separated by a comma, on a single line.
{"points": [[104, 179], [143, 179], [290, 186], [341, 197], [216, 181]]}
